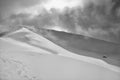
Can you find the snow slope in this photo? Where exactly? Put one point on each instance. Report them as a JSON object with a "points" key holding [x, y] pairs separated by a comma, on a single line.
{"points": [[100, 49], [25, 55]]}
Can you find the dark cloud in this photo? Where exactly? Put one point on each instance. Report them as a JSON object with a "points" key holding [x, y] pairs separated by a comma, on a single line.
{"points": [[8, 7]]}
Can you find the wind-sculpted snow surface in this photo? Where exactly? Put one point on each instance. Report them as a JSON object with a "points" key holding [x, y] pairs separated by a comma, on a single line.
{"points": [[108, 51], [25, 55]]}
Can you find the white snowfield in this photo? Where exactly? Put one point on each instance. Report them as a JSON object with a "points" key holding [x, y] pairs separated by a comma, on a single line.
{"points": [[25, 55]]}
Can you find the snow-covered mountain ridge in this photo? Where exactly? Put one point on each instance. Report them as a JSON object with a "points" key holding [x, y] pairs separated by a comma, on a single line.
{"points": [[27, 38]]}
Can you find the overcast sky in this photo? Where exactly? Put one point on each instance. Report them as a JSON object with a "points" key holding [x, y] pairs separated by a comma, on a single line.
{"points": [[8, 7]]}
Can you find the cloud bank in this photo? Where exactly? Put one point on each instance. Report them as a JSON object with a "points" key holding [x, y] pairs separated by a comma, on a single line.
{"points": [[8, 7], [93, 20]]}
